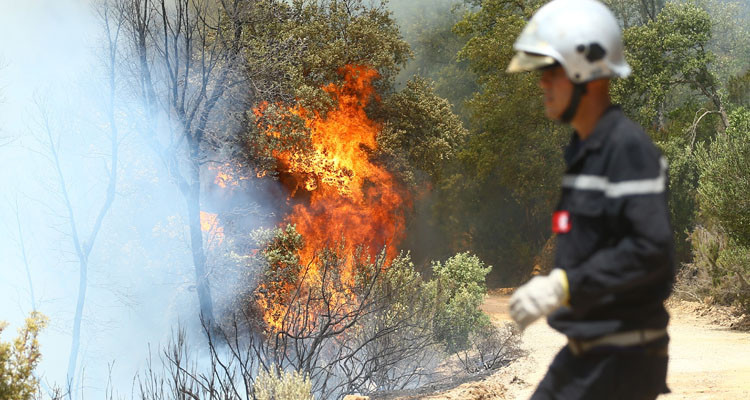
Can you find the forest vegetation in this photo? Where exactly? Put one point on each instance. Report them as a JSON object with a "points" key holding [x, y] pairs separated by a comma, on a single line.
{"points": [[402, 173]]}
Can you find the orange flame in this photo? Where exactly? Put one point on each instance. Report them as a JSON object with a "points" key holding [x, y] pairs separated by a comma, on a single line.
{"points": [[226, 177], [210, 225], [350, 197]]}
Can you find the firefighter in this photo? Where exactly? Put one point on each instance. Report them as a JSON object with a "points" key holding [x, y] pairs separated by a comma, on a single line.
{"points": [[614, 257]]}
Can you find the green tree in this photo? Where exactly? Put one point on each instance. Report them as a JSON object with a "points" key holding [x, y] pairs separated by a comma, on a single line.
{"points": [[420, 133], [670, 60], [739, 89], [496, 197], [684, 59], [427, 25], [635, 12], [512, 139], [341, 32]]}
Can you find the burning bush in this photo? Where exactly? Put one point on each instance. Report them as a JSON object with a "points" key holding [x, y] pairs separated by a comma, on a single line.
{"points": [[368, 331], [380, 327], [383, 328], [339, 197]]}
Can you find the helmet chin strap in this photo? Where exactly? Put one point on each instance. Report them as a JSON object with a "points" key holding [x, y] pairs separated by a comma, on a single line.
{"points": [[579, 89]]}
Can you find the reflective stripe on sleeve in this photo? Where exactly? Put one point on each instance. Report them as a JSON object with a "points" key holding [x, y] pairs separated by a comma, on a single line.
{"points": [[619, 189]]}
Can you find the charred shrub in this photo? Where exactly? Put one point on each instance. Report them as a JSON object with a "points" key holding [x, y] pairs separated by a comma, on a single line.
{"points": [[491, 347]]}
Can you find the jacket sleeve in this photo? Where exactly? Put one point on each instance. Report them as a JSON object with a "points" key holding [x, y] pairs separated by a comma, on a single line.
{"points": [[642, 252]]}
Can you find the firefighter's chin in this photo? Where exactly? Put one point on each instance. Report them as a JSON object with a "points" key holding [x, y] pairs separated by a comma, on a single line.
{"points": [[552, 112], [551, 108]]}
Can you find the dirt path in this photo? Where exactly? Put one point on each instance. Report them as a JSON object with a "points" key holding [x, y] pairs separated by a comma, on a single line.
{"points": [[706, 361]]}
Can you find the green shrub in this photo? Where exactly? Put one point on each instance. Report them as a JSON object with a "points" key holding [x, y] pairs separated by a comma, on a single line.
{"points": [[284, 385], [724, 183], [722, 249], [683, 182], [18, 360], [461, 278], [718, 272], [736, 261]]}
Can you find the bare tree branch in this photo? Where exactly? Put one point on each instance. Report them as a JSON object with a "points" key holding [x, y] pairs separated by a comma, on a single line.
{"points": [[25, 258]]}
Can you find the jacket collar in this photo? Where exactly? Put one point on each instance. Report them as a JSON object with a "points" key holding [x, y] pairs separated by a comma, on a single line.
{"points": [[577, 148]]}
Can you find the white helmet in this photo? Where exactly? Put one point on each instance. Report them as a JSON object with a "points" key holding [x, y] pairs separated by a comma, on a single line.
{"points": [[582, 35]]}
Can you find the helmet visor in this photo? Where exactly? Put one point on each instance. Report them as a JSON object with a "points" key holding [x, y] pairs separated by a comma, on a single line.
{"points": [[523, 62]]}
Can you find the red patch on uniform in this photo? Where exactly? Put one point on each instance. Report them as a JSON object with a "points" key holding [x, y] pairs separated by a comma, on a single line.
{"points": [[561, 222]]}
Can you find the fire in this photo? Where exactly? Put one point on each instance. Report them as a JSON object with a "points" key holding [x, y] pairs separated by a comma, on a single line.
{"points": [[223, 179], [350, 198], [210, 226], [226, 177]]}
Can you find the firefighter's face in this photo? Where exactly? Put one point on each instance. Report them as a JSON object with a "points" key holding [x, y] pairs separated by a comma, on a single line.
{"points": [[557, 91]]}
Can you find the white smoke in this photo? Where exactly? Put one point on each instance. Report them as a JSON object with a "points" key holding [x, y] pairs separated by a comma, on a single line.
{"points": [[140, 270]]}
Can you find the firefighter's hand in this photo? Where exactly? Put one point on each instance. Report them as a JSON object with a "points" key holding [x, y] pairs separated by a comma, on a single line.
{"points": [[539, 297]]}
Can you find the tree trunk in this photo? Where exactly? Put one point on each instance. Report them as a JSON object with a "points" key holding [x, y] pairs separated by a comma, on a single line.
{"points": [[192, 198], [76, 340]]}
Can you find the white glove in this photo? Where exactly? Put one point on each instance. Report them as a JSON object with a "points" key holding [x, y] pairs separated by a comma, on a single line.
{"points": [[539, 297]]}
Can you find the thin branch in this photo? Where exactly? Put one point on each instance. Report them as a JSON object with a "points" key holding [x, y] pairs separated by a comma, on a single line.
{"points": [[25, 258]]}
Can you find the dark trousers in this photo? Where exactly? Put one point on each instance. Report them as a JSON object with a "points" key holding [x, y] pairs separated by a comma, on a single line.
{"points": [[634, 373]]}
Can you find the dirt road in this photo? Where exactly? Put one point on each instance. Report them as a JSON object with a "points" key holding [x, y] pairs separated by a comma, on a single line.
{"points": [[706, 361]]}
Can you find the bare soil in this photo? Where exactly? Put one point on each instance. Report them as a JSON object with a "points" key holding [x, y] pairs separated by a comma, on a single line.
{"points": [[708, 360]]}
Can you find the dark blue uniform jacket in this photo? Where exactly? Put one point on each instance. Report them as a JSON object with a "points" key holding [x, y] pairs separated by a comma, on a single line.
{"points": [[614, 236]]}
